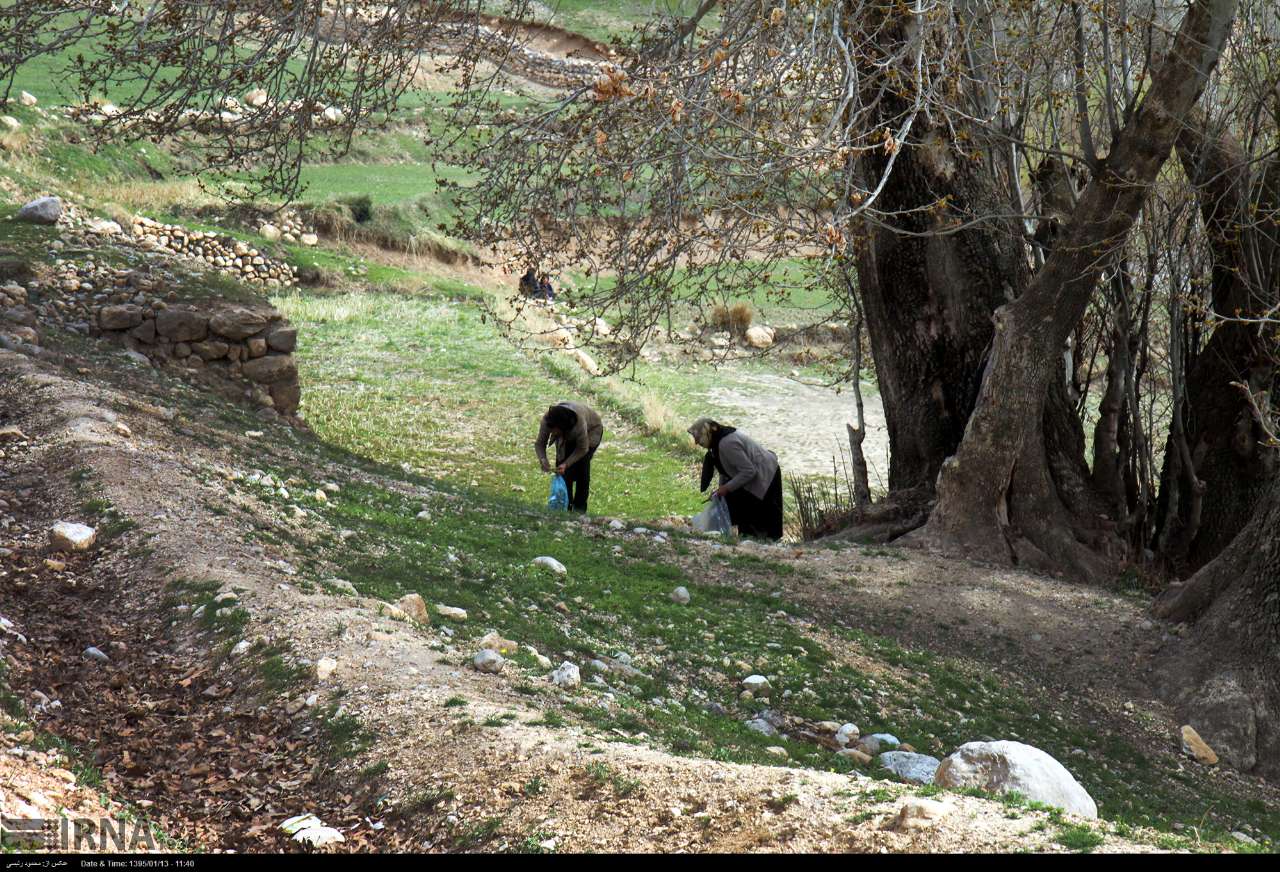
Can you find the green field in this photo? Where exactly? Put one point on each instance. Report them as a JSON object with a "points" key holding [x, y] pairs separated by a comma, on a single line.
{"points": [[423, 380]]}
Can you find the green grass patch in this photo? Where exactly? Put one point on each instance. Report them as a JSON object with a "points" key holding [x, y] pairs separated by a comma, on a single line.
{"points": [[1079, 838], [429, 382]]}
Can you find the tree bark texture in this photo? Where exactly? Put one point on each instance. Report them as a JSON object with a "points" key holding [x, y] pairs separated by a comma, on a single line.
{"points": [[1223, 437], [993, 491], [929, 292], [1225, 683]]}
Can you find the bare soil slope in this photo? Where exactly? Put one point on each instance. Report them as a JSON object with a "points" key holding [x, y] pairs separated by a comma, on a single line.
{"points": [[221, 747]]}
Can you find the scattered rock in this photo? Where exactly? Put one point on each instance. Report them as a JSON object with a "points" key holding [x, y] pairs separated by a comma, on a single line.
{"points": [[877, 742], [413, 605], [918, 814], [450, 612], [45, 210], [916, 768], [345, 587], [680, 595], [550, 563], [758, 685], [778, 751], [269, 232], [761, 726], [566, 676], [325, 667], [27, 99], [95, 654], [760, 337], [68, 536], [103, 227], [586, 361], [1196, 747], [495, 642], [488, 661], [860, 757], [1000, 767], [846, 733]]}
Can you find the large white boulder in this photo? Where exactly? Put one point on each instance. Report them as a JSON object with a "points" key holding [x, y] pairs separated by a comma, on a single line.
{"points": [[1001, 767]]}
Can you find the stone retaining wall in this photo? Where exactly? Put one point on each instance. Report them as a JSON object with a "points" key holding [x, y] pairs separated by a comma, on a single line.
{"points": [[250, 346]]}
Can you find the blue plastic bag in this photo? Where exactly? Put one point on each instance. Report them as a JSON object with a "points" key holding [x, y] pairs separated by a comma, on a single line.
{"points": [[559, 498]]}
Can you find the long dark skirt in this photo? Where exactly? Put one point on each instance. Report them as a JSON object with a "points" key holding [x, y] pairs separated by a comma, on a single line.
{"points": [[577, 479], [761, 518]]}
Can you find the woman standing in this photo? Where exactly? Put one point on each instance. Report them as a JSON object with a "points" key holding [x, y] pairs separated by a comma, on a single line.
{"points": [[750, 478]]}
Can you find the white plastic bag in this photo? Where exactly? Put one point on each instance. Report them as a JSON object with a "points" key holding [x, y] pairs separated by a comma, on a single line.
{"points": [[714, 518]]}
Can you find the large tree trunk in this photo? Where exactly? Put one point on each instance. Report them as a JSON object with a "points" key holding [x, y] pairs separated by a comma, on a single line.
{"points": [[928, 293], [1224, 683], [1231, 472], [996, 492]]}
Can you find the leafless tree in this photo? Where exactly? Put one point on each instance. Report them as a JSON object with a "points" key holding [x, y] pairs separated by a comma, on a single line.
{"points": [[182, 68]]}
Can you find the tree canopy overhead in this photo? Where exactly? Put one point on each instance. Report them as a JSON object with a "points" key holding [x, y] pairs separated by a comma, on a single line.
{"points": [[266, 84]]}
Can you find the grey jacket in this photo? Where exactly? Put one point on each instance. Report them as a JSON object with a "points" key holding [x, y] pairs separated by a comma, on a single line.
{"points": [[585, 435], [747, 464]]}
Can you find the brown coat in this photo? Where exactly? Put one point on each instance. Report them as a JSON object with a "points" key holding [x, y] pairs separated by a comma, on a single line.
{"points": [[585, 435]]}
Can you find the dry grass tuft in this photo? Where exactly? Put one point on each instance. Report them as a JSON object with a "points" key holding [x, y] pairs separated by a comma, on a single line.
{"points": [[136, 195], [740, 315]]}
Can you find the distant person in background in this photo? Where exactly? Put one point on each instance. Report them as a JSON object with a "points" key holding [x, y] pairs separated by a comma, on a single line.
{"points": [[544, 288], [576, 430], [529, 284], [750, 478]]}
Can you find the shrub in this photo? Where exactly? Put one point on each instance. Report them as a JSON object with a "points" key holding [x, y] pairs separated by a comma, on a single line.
{"points": [[740, 316]]}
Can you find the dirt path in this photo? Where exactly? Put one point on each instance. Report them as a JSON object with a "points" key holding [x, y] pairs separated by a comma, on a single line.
{"points": [[803, 423]]}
